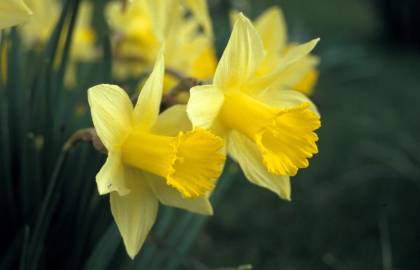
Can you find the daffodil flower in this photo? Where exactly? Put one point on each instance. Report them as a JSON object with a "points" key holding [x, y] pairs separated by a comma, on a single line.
{"points": [[84, 40], [269, 131], [302, 75], [150, 159], [144, 25], [40, 26], [13, 12]]}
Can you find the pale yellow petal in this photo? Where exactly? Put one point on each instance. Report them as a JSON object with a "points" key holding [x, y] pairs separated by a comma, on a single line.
{"points": [[169, 196], [172, 121], [164, 15], [112, 175], [111, 110], [204, 105], [13, 12], [292, 75], [271, 26], [245, 152], [296, 53], [134, 213], [146, 110], [282, 99], [283, 67], [242, 55], [200, 10]]}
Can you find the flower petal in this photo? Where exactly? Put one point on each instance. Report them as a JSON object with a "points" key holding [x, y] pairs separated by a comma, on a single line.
{"points": [[147, 108], [134, 213], [272, 28], [296, 53], [245, 152], [172, 121], [283, 99], [13, 12], [204, 105], [283, 67], [111, 111], [171, 197], [242, 55], [164, 15], [112, 175]]}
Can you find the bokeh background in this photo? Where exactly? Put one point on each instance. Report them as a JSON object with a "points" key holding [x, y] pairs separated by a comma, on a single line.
{"points": [[356, 207]]}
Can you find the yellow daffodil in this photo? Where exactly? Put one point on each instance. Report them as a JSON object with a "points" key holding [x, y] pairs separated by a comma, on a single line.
{"points": [[41, 24], [83, 47], [144, 25], [302, 75], [13, 12], [269, 131], [150, 159], [39, 29]]}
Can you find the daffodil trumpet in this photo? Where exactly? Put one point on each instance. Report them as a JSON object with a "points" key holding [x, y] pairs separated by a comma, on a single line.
{"points": [[151, 157], [269, 130]]}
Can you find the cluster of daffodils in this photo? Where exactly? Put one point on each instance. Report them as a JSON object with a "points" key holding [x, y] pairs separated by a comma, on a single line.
{"points": [[141, 27], [38, 19], [252, 105]]}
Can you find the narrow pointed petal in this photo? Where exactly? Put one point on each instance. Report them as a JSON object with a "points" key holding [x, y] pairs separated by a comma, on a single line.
{"points": [[171, 197], [134, 213], [296, 53], [271, 26], [283, 99], [294, 76], [112, 176], [147, 108], [285, 69], [172, 121], [13, 12], [111, 111], [245, 152], [241, 57]]}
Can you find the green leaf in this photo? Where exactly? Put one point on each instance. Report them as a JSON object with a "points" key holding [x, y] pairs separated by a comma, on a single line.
{"points": [[105, 249]]}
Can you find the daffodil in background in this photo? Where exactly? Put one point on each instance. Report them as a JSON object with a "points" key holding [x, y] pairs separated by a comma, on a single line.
{"points": [[150, 159], [302, 75], [13, 12], [40, 26], [83, 49], [142, 27], [269, 130]]}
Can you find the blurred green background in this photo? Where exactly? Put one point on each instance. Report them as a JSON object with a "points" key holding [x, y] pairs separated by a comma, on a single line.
{"points": [[356, 206]]}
